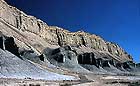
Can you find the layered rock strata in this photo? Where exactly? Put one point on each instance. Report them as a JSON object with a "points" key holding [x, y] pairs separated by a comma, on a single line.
{"points": [[32, 33]]}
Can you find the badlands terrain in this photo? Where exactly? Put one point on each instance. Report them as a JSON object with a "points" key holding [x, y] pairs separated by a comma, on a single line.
{"points": [[33, 53]]}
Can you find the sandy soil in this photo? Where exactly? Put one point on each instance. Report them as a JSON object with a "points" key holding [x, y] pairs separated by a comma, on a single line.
{"points": [[87, 80]]}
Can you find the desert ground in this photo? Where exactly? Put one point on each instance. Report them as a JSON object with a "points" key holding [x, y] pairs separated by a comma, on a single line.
{"points": [[88, 80]]}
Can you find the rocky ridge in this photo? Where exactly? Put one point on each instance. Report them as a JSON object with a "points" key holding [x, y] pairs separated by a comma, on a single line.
{"points": [[77, 52], [26, 29]]}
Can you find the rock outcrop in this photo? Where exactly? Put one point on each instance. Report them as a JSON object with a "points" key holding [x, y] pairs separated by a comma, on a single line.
{"points": [[7, 43], [13, 66], [30, 38], [29, 31], [87, 62]]}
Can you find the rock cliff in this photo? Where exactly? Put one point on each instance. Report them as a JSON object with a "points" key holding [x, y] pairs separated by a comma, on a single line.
{"points": [[30, 49], [32, 33]]}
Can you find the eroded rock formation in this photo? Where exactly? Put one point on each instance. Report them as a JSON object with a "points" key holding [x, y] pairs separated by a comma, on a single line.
{"points": [[12, 66], [29, 31], [67, 57], [7, 43], [43, 44]]}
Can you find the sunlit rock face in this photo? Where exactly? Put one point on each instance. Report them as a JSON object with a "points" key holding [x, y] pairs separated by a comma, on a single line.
{"points": [[30, 31], [77, 51]]}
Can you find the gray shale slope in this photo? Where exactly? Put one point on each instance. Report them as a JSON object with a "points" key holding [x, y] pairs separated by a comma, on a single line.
{"points": [[12, 66], [34, 42]]}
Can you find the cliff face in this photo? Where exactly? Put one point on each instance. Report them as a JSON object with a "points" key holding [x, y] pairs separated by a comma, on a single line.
{"points": [[32, 33]]}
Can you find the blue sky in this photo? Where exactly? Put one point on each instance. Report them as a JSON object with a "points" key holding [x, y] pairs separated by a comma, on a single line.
{"points": [[114, 20]]}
